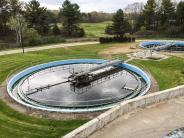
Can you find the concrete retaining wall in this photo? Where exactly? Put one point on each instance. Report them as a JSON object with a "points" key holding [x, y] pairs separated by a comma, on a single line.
{"points": [[125, 107]]}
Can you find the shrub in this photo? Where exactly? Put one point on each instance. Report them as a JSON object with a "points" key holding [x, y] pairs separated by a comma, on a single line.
{"points": [[52, 39], [175, 31], [32, 37], [7, 45], [34, 42], [147, 33], [77, 32], [143, 28], [182, 71], [45, 40], [172, 31], [116, 39]]}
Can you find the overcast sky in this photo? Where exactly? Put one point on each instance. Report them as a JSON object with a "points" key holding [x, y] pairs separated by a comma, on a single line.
{"points": [[91, 5]]}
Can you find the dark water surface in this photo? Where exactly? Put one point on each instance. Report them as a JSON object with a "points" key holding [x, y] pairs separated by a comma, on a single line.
{"points": [[107, 90]]}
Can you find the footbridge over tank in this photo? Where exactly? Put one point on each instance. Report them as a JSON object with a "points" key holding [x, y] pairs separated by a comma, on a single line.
{"points": [[96, 72]]}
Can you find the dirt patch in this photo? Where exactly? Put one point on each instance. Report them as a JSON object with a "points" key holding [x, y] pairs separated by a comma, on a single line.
{"points": [[120, 49], [154, 84]]}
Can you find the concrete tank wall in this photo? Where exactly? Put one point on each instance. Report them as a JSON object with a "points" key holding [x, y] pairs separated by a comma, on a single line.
{"points": [[33, 69], [125, 107]]}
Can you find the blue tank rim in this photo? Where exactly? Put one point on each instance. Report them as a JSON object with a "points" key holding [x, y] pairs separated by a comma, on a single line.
{"points": [[13, 81]]}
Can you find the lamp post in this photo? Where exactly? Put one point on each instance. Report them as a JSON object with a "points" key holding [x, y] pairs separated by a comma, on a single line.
{"points": [[132, 30]]}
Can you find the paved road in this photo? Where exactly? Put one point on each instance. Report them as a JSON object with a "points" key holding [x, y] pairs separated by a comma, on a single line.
{"points": [[19, 50], [152, 122]]}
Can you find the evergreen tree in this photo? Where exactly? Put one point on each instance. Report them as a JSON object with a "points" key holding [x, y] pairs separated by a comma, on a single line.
{"points": [[149, 13], [180, 12], [16, 7], [4, 16], [139, 22], [167, 12], [118, 25], [52, 17], [37, 17], [70, 14]]}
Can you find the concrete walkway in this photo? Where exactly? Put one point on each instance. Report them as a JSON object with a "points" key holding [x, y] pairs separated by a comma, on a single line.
{"points": [[152, 122], [19, 50]]}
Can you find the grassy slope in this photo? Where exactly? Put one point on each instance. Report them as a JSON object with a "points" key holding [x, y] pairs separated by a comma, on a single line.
{"points": [[13, 124], [95, 29], [168, 73]]}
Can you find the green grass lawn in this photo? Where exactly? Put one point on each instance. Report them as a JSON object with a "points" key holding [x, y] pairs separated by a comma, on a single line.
{"points": [[14, 124], [168, 73], [95, 29]]}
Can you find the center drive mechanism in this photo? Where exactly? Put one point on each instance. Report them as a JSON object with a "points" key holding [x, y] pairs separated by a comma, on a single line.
{"points": [[103, 70]]}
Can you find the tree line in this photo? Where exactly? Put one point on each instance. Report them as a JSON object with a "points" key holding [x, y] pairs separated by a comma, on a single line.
{"points": [[30, 21], [33, 24], [162, 16], [96, 17], [40, 18]]}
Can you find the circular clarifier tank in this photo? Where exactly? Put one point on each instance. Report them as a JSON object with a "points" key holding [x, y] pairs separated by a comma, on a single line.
{"points": [[78, 85], [159, 45]]}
